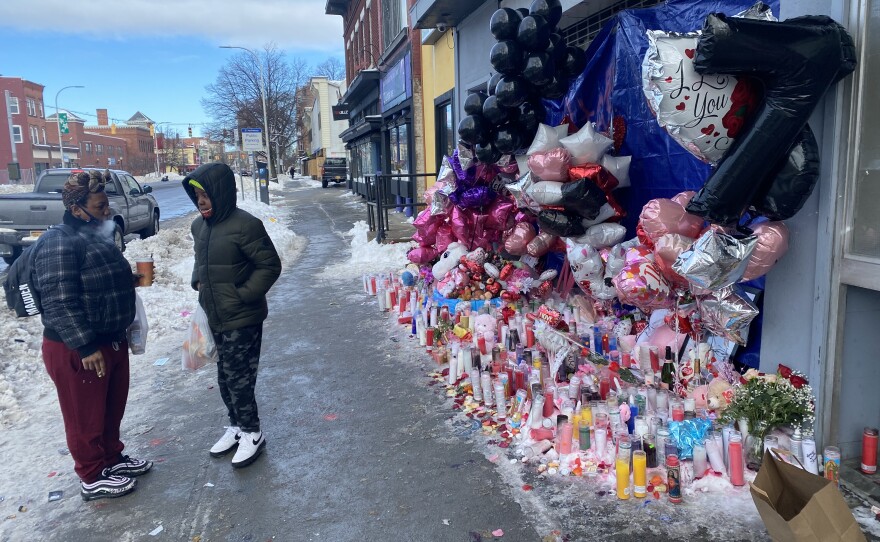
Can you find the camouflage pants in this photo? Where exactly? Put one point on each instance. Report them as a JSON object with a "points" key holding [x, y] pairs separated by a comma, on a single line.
{"points": [[239, 352]]}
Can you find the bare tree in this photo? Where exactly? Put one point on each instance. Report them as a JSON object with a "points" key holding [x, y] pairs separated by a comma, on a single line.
{"points": [[332, 68], [233, 101], [172, 150]]}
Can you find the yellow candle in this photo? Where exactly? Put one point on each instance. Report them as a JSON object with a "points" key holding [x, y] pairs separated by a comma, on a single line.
{"points": [[622, 468], [587, 414], [640, 474], [576, 423]]}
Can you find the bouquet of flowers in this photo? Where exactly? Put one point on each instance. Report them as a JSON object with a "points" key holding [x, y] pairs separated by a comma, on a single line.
{"points": [[773, 400]]}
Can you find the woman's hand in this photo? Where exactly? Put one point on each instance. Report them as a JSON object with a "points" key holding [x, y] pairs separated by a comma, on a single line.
{"points": [[95, 362]]}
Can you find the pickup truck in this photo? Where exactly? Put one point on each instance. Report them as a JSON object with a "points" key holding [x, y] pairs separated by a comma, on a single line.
{"points": [[334, 170], [24, 217]]}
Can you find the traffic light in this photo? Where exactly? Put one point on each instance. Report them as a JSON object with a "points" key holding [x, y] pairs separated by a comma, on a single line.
{"points": [[190, 131]]}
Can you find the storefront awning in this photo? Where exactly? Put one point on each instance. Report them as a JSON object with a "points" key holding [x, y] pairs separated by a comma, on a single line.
{"points": [[371, 124], [366, 81], [431, 13]]}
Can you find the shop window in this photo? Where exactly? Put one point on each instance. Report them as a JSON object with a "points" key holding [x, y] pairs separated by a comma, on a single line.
{"points": [[398, 147], [445, 128], [864, 219]]}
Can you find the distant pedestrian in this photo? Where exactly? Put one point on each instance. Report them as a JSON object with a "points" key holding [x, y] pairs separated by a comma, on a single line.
{"points": [[87, 293], [291, 171], [235, 265]]}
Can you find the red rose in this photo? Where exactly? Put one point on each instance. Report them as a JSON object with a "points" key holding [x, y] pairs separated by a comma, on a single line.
{"points": [[614, 367], [798, 382], [733, 122], [784, 371]]}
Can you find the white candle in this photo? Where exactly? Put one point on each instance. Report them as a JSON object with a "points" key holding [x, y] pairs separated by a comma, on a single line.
{"points": [[714, 454], [601, 439], [486, 384], [700, 464]]}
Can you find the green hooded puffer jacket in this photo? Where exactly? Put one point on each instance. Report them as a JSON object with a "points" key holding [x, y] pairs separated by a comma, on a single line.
{"points": [[235, 262]]}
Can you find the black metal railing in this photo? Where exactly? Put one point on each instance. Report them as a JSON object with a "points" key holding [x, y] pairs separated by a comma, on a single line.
{"points": [[384, 192]]}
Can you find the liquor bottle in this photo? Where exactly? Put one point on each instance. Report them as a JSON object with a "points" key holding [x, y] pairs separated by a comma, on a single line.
{"points": [[667, 375]]}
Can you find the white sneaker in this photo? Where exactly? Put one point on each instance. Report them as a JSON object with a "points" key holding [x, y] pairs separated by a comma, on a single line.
{"points": [[249, 448], [227, 442]]}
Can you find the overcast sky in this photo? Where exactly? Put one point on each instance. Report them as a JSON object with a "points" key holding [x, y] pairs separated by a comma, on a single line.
{"points": [[155, 56]]}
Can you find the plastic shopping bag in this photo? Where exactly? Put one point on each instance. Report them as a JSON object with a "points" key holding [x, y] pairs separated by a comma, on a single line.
{"points": [[137, 331], [199, 348]]}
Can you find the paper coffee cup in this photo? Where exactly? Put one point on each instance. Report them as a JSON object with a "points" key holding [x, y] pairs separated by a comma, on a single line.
{"points": [[145, 269]]}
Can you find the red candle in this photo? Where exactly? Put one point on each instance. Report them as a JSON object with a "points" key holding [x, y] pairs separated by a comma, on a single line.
{"points": [[734, 452], [604, 388], [869, 450], [678, 412], [429, 339], [519, 378], [373, 285], [510, 380], [655, 359], [541, 434], [548, 402], [481, 344], [530, 335]]}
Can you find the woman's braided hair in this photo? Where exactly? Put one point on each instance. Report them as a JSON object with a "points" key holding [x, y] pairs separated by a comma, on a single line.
{"points": [[80, 185]]}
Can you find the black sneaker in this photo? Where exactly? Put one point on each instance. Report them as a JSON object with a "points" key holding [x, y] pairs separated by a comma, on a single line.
{"points": [[129, 466], [108, 487]]}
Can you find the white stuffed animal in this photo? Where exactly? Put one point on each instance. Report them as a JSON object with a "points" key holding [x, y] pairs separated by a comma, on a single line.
{"points": [[449, 260]]}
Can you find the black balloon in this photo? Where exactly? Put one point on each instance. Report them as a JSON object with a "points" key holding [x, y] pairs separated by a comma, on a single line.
{"points": [[494, 112], [534, 33], [560, 223], [493, 82], [538, 69], [530, 117], [505, 23], [507, 139], [550, 10], [507, 57], [473, 104], [473, 129], [786, 190], [555, 89], [523, 11], [487, 153], [575, 61], [797, 60], [558, 50], [583, 197], [511, 91]]}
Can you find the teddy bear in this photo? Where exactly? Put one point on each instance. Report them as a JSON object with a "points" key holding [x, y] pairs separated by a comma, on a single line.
{"points": [[449, 260], [720, 394]]}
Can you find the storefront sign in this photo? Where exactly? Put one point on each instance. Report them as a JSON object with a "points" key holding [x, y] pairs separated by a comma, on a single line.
{"points": [[340, 112], [396, 86]]}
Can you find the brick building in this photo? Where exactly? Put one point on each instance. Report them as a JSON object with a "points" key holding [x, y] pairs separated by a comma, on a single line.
{"points": [[23, 100], [140, 155]]}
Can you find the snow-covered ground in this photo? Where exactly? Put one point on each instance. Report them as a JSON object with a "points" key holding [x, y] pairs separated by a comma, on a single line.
{"points": [[15, 188], [368, 256]]}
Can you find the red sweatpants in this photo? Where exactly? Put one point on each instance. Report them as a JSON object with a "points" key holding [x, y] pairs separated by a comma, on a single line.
{"points": [[92, 407]]}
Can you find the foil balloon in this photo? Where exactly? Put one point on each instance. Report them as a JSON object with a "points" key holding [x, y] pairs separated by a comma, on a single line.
{"points": [[661, 216], [666, 250], [546, 139], [487, 153], [727, 314], [638, 254], [478, 196], [462, 224], [548, 274], [462, 160], [540, 245], [491, 270], [715, 260], [619, 167], [546, 192], [444, 237], [602, 235], [615, 257], [561, 223], [606, 212], [683, 198], [583, 197], [519, 191], [642, 285], [600, 176], [500, 215], [422, 255], [587, 145], [516, 241], [678, 96], [602, 289], [771, 245], [586, 264], [550, 165], [446, 173]]}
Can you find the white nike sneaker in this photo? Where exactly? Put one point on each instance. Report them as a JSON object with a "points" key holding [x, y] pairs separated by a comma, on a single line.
{"points": [[249, 448], [227, 442]]}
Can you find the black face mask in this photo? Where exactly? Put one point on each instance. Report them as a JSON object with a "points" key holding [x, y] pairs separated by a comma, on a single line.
{"points": [[91, 216]]}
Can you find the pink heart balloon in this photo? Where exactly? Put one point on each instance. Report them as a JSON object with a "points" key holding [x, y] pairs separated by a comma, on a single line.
{"points": [[422, 255], [516, 241], [444, 237], [551, 165], [772, 245], [661, 216], [541, 244], [683, 198], [462, 224]]}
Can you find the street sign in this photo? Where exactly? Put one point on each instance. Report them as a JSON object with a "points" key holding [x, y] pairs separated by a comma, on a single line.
{"points": [[62, 121], [251, 139]]}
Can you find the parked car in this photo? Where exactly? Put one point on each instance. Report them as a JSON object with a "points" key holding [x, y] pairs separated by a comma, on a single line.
{"points": [[24, 217], [334, 170]]}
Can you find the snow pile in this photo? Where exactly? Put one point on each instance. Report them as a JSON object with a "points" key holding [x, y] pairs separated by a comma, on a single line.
{"points": [[15, 188], [368, 256]]}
